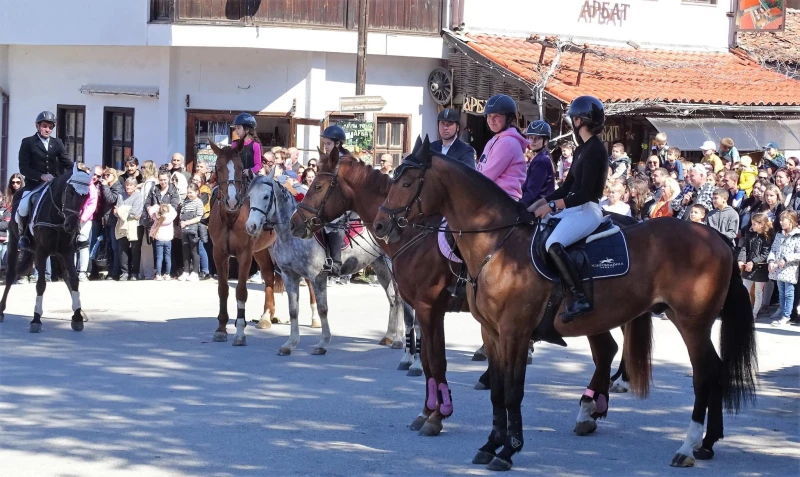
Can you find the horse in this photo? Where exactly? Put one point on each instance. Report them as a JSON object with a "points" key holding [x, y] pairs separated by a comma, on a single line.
{"points": [[227, 232], [272, 205], [693, 285], [55, 221]]}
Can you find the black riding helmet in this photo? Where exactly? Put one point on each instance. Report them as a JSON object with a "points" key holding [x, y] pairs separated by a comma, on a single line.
{"points": [[590, 109], [46, 116], [450, 115], [245, 119], [334, 133], [539, 128]]}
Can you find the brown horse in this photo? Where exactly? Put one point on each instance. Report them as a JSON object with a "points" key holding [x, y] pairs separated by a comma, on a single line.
{"points": [[422, 272], [693, 284], [226, 228]]}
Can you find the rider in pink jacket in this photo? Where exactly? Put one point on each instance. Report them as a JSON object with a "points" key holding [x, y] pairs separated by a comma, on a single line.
{"points": [[503, 158]]}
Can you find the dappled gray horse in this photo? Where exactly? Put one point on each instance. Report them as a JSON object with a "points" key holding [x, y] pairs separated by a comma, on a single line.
{"points": [[271, 206]]}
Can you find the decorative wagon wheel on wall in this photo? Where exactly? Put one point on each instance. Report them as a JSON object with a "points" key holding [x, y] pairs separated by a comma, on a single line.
{"points": [[440, 86]]}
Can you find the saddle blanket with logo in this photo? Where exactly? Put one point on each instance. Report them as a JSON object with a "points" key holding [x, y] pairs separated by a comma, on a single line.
{"points": [[601, 255], [354, 228]]}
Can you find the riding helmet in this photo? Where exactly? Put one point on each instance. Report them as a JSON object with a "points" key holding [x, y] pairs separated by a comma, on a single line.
{"points": [[500, 103], [245, 119], [46, 116], [539, 128], [588, 108], [334, 133], [449, 115]]}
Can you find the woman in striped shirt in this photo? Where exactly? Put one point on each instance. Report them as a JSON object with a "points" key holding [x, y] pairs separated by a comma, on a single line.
{"points": [[191, 213]]}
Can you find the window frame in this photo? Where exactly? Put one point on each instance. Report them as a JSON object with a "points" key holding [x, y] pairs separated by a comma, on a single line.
{"points": [[404, 148], [108, 143], [61, 114]]}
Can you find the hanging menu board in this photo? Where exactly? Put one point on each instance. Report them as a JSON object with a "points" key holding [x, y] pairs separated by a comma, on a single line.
{"points": [[360, 140]]}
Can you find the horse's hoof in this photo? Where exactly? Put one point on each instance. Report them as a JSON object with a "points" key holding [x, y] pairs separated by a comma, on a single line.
{"points": [[498, 464], [414, 372], [264, 324], [319, 351], [431, 428], [316, 323], [584, 428], [284, 351], [397, 345], [478, 357], [220, 336], [481, 387], [77, 325], [237, 341], [482, 458], [681, 460], [417, 424], [275, 320], [36, 327], [703, 454], [403, 366], [2, 317]]}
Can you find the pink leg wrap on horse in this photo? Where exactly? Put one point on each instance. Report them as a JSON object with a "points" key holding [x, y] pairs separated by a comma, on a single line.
{"points": [[430, 402], [589, 393], [602, 404], [446, 408]]}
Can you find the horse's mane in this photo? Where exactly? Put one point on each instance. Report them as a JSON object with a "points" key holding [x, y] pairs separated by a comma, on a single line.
{"points": [[367, 174]]}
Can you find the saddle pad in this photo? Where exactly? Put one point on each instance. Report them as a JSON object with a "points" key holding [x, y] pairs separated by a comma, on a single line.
{"points": [[444, 247], [353, 229], [35, 197], [608, 258]]}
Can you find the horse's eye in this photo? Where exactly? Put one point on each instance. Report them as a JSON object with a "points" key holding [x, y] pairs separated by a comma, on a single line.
{"points": [[317, 187], [406, 185]]}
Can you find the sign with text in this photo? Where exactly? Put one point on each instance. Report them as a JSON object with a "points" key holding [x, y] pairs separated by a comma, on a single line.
{"points": [[359, 138], [360, 104], [474, 105], [760, 15], [604, 13]]}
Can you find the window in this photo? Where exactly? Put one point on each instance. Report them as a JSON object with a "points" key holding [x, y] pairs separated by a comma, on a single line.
{"points": [[71, 122], [117, 136], [391, 134]]}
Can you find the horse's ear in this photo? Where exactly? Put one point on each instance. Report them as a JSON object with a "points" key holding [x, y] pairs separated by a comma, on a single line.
{"points": [[333, 158], [214, 147], [425, 151], [417, 145], [239, 146], [271, 175]]}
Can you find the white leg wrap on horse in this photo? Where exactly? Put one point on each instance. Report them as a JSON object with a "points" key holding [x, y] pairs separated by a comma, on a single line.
{"points": [[38, 307], [76, 300], [694, 439], [240, 322], [588, 407]]}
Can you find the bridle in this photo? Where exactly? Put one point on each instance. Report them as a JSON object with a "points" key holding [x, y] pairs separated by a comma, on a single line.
{"points": [[63, 210], [402, 222], [271, 204], [319, 219], [239, 191]]}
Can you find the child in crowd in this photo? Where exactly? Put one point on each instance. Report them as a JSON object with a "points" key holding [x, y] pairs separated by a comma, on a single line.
{"points": [[723, 218], [698, 214], [191, 213], [747, 174], [784, 258], [753, 258], [162, 233]]}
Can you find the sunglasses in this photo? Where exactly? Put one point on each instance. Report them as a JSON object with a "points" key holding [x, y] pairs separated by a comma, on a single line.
{"points": [[16, 182]]}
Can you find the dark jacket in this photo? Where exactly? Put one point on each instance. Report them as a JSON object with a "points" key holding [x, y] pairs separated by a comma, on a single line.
{"points": [[125, 176], [172, 197], [459, 150], [587, 176], [540, 180], [34, 161], [755, 248], [110, 195], [5, 220]]}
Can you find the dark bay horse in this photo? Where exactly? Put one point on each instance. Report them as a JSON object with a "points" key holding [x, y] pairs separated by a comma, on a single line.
{"points": [[694, 284], [226, 227], [55, 223]]}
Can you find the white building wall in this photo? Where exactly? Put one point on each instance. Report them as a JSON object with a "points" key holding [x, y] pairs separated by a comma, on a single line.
{"points": [[661, 22], [4, 67]]}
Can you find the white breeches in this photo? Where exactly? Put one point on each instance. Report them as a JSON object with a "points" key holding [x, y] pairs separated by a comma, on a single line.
{"points": [[576, 223]]}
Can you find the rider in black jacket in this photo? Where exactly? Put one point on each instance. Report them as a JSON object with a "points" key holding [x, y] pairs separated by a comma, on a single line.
{"points": [[450, 145]]}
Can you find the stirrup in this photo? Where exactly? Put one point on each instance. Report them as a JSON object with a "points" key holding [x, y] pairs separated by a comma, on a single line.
{"points": [[575, 309]]}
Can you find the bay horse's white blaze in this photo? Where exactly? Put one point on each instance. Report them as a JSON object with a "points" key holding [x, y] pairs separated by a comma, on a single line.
{"points": [[76, 300], [694, 439], [38, 307], [231, 188]]}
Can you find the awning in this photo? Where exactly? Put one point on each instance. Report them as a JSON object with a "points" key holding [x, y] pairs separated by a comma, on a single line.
{"points": [[748, 135], [120, 90]]}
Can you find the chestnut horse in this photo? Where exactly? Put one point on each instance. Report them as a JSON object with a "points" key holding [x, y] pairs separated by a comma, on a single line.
{"points": [[422, 272], [226, 228], [694, 279]]}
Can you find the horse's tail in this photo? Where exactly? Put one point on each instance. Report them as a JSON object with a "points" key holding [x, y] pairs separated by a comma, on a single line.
{"points": [[738, 345], [279, 286], [637, 350]]}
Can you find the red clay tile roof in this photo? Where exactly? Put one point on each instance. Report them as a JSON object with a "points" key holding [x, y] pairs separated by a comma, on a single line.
{"points": [[781, 46], [625, 75]]}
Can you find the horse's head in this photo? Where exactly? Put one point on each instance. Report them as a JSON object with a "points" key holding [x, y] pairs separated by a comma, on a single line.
{"points": [[406, 195], [69, 193], [263, 207], [230, 181], [324, 200]]}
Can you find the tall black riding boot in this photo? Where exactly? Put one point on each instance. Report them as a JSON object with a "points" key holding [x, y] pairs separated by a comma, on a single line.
{"points": [[569, 274], [24, 241], [335, 239]]}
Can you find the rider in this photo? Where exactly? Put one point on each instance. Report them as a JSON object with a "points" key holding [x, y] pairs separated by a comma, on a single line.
{"points": [[578, 198], [334, 137], [42, 158], [540, 180], [450, 145], [245, 127]]}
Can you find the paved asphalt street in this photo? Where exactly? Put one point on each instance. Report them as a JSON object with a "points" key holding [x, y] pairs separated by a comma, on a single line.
{"points": [[143, 392]]}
